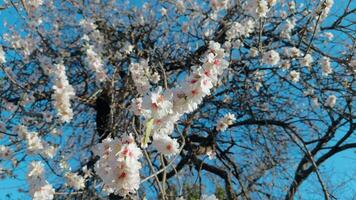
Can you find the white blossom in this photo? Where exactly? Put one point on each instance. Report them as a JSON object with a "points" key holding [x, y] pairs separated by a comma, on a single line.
{"points": [[46, 192], [128, 47], [306, 61], [294, 76], [292, 52], [329, 36], [331, 101], [256, 8], [75, 181], [136, 106], [253, 52], [165, 144], [158, 103], [287, 28], [272, 2], [40, 189], [163, 11], [240, 30], [180, 6], [326, 7], [326, 66], [118, 165], [225, 122], [49, 150], [35, 3], [140, 75], [95, 63], [63, 93], [5, 152], [155, 78], [34, 143], [271, 57]]}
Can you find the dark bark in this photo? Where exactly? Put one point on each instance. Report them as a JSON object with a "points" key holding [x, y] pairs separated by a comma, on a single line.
{"points": [[102, 108]]}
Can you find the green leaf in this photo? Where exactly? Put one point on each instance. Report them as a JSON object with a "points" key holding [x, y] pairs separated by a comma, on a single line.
{"points": [[148, 131]]}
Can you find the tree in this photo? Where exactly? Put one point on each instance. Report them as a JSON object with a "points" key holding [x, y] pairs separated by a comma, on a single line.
{"points": [[166, 99]]}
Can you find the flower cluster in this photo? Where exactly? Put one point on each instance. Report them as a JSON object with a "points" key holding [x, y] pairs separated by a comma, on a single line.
{"points": [[63, 92], [165, 107], [326, 6], [119, 165], [292, 52], [237, 29], [74, 180], [331, 101], [40, 189], [219, 4], [306, 61], [35, 3], [95, 63], [35, 144], [271, 57], [326, 66], [287, 28], [165, 144], [256, 8], [225, 122], [294, 76], [5, 152], [141, 76]]}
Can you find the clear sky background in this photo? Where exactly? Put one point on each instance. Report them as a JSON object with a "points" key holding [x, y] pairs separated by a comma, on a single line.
{"points": [[338, 169]]}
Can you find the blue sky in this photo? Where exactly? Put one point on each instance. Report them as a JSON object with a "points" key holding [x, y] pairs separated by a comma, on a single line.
{"points": [[336, 169]]}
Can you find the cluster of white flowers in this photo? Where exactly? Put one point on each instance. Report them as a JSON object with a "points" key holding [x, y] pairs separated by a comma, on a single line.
{"points": [[95, 63], [292, 52], [165, 107], [219, 4], [2, 55], [294, 76], [165, 144], [119, 165], [256, 8], [329, 35], [88, 25], [128, 47], [237, 29], [40, 189], [5, 152], [326, 7], [225, 122], [287, 28], [326, 66], [180, 6], [74, 180], [140, 73], [35, 145], [271, 57], [306, 61], [331, 101], [35, 3], [25, 45], [63, 92]]}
